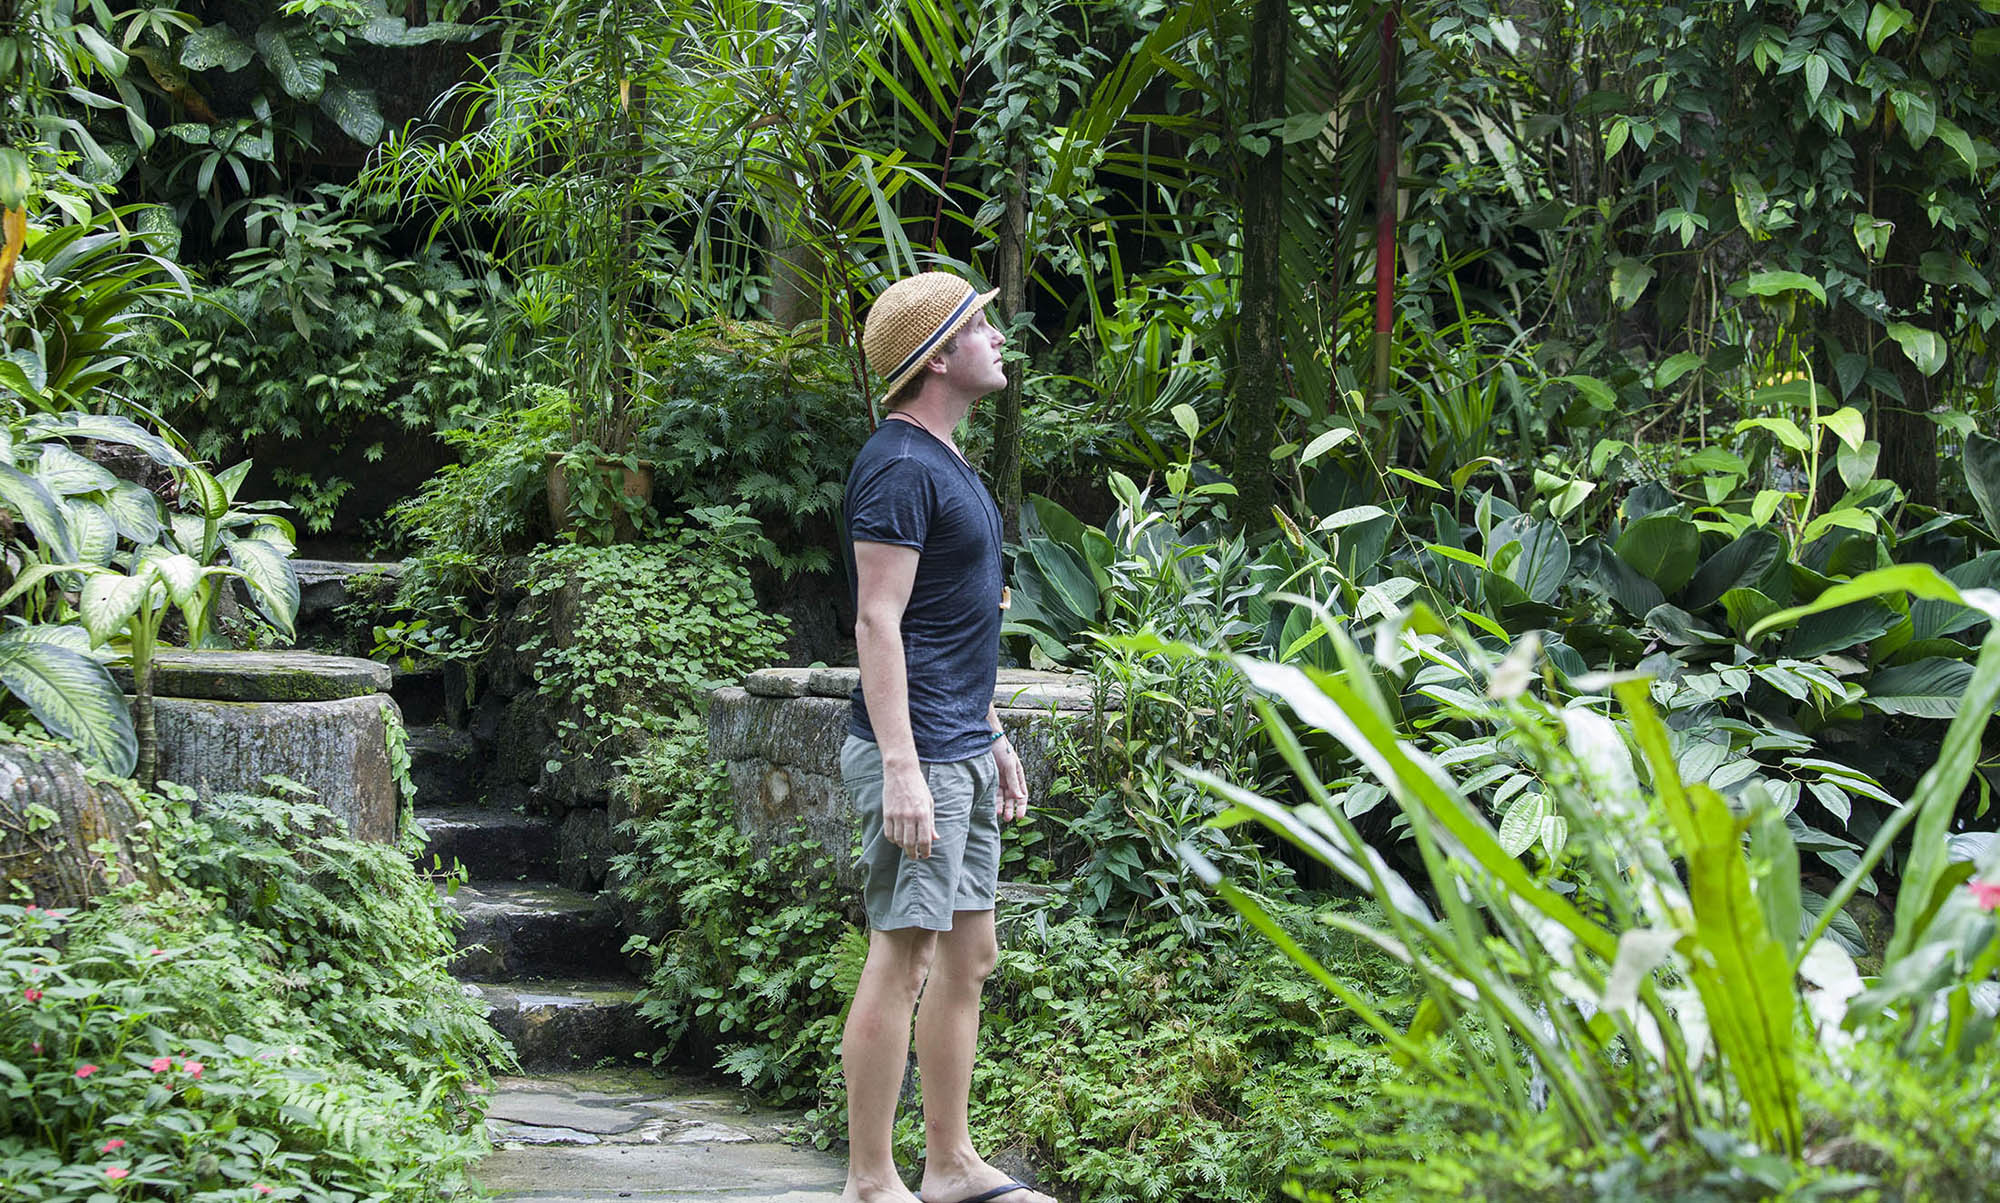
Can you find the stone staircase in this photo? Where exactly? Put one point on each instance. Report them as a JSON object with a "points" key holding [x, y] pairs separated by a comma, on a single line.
{"points": [[545, 959]]}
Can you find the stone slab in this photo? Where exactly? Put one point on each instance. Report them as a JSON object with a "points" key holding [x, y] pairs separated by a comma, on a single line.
{"points": [[338, 748], [598, 1137], [1018, 688], [228, 676]]}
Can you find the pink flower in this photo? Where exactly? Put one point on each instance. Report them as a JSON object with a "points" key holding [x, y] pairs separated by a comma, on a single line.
{"points": [[161, 1065], [115, 1172], [85, 1070], [36, 1048], [1986, 894], [32, 994], [159, 952], [260, 1188], [194, 1069], [111, 1145], [30, 909]]}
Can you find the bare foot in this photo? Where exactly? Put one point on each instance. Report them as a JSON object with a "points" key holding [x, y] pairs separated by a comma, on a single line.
{"points": [[891, 1192], [972, 1181]]}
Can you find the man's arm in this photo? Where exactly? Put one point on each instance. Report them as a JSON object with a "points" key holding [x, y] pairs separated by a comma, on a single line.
{"points": [[884, 574], [1011, 800]]}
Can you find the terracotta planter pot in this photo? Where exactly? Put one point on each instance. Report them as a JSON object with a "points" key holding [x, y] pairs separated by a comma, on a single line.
{"points": [[636, 482]]}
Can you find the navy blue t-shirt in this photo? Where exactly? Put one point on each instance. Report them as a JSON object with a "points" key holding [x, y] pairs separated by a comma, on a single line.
{"points": [[909, 489]]}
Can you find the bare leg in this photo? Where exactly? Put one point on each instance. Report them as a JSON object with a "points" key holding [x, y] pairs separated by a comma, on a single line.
{"points": [[947, 1033], [874, 1049]]}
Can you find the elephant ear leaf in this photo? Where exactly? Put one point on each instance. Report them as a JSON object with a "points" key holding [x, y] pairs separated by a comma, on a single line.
{"points": [[1982, 476], [73, 696], [35, 506], [274, 585]]}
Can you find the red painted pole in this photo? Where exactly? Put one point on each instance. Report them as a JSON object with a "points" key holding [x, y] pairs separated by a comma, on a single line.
{"points": [[1388, 148]]}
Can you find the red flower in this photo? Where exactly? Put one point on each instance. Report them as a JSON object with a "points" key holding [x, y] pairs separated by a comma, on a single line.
{"points": [[112, 1144], [260, 1188], [115, 1172], [161, 1065], [194, 1069], [1986, 894], [32, 994], [85, 1070]]}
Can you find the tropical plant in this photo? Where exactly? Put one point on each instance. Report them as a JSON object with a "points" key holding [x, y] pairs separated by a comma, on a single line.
{"points": [[68, 322], [1593, 1002], [107, 558]]}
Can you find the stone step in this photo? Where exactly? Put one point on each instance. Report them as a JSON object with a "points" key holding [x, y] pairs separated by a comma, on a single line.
{"points": [[492, 844], [443, 766], [424, 695], [568, 1023], [514, 929]]}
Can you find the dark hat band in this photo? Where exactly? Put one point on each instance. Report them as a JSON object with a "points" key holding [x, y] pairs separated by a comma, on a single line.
{"points": [[925, 348]]}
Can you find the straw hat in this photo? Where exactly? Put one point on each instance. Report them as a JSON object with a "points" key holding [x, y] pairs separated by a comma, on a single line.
{"points": [[913, 318]]}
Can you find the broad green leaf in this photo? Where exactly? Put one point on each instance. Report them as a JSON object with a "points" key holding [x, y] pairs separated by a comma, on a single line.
{"points": [[1982, 476], [1922, 347], [104, 428], [293, 59], [215, 46], [93, 528], [1629, 278], [1937, 619], [66, 473], [354, 110], [231, 478], [1816, 73], [1675, 367], [135, 511], [1848, 519], [109, 600], [1847, 426], [181, 574], [1664, 547], [1885, 20], [274, 584], [1842, 629], [1857, 465], [1522, 824], [1924, 688], [1350, 516], [1599, 394], [1542, 565], [74, 696], [1065, 574], [38, 509], [1603, 570], [1776, 283], [1324, 442], [1746, 608], [1766, 504], [1784, 429], [1740, 564], [1917, 580], [1951, 135], [210, 500], [1187, 419], [1416, 478]]}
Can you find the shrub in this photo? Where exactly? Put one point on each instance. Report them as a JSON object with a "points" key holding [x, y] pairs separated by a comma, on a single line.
{"points": [[275, 1021]]}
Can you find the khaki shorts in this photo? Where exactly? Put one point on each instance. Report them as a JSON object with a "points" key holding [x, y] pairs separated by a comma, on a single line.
{"points": [[962, 872]]}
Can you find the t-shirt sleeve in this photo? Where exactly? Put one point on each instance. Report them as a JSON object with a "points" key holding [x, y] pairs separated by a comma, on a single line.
{"points": [[892, 503]]}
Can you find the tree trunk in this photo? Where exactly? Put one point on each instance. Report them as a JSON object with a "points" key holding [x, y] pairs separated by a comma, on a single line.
{"points": [[1013, 285], [1259, 395], [1388, 149], [1907, 434]]}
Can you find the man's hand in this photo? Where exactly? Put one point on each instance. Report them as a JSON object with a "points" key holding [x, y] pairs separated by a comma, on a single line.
{"points": [[1011, 799], [908, 812]]}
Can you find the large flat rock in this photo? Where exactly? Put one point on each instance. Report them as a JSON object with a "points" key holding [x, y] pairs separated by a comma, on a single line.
{"points": [[593, 1138], [227, 676]]}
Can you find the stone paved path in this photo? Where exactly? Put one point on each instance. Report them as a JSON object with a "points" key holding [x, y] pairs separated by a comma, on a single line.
{"points": [[605, 1136]]}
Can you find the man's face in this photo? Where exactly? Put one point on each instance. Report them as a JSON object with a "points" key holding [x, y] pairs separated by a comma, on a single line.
{"points": [[975, 364]]}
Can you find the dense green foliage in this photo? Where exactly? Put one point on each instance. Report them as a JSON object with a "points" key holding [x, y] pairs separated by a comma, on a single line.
{"points": [[277, 1016]]}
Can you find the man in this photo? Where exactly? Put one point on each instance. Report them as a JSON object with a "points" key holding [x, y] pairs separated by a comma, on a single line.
{"points": [[930, 771]]}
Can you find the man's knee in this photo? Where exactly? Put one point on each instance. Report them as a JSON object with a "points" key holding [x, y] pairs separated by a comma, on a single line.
{"points": [[901, 959], [971, 950]]}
